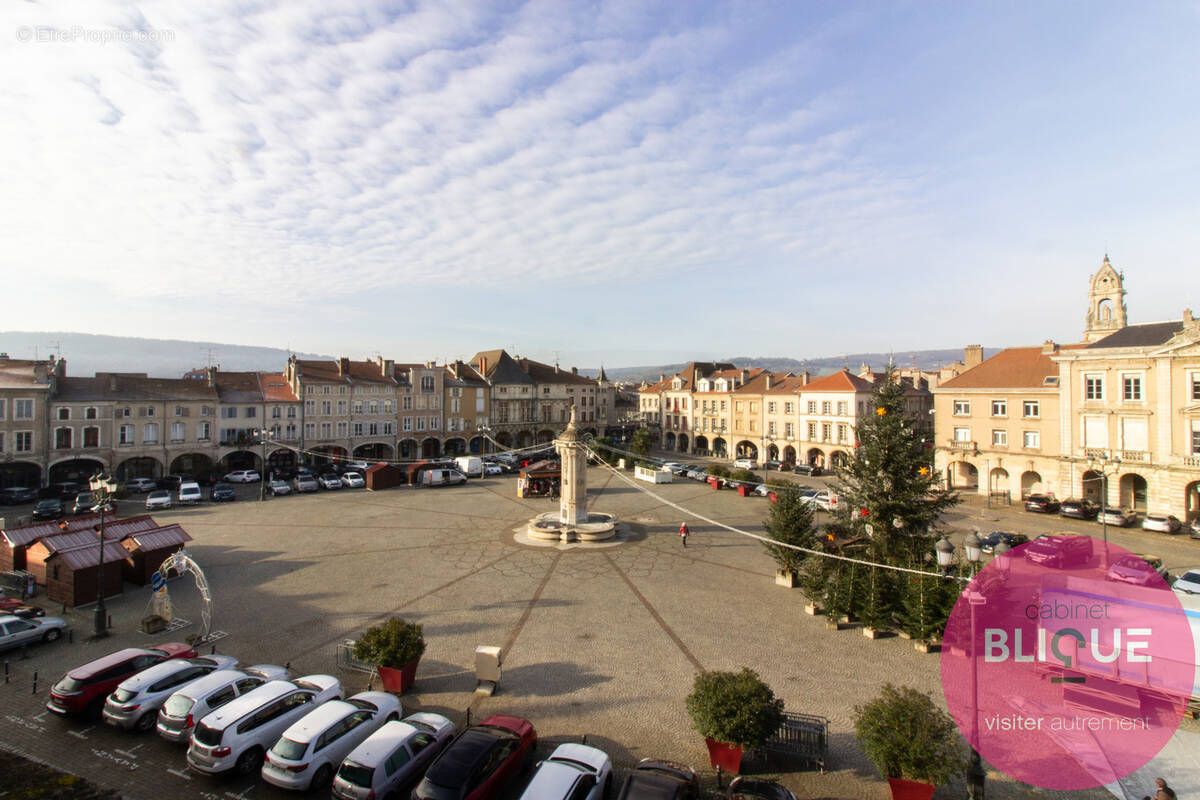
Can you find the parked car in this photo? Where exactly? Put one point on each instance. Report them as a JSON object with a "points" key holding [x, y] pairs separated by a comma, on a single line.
{"points": [[237, 735], [17, 495], [745, 463], [989, 543], [141, 485], [392, 758], [660, 780], [480, 760], [222, 493], [821, 498], [743, 788], [189, 493], [329, 480], [1120, 517], [84, 689], [358, 466], [1194, 528], [159, 498], [171, 482], [1139, 569], [572, 772], [26, 612], [442, 477], [134, 704], [50, 508], [1042, 503], [186, 706], [491, 469], [670, 466], [277, 488], [1162, 523], [1079, 509], [1059, 550], [775, 465], [243, 476], [308, 753], [304, 483], [16, 631], [353, 480], [697, 474], [762, 490], [1188, 582], [807, 469]]}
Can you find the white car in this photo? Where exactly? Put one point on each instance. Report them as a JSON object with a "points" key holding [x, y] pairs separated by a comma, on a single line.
{"points": [[185, 707], [761, 490], [1120, 517], [329, 481], [746, 463], [490, 469], [311, 750], [1188, 582], [392, 757], [353, 480], [670, 466], [277, 488], [1162, 523], [822, 499], [572, 772], [134, 704], [160, 498], [237, 735], [15, 631], [243, 476]]}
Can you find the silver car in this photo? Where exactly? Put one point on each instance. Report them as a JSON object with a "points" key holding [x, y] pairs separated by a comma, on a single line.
{"points": [[1163, 523], [134, 704], [15, 631], [187, 706], [393, 757]]}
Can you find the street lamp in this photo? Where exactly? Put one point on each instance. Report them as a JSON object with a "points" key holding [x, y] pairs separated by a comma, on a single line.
{"points": [[976, 775], [945, 555], [1105, 466], [100, 621], [262, 474], [974, 550]]}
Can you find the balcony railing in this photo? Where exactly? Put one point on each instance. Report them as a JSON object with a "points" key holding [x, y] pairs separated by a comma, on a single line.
{"points": [[959, 444], [1095, 453], [1136, 456], [1191, 461]]}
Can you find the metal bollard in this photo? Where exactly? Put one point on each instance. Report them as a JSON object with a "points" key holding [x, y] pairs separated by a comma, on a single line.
{"points": [[288, 666], [212, 650], [109, 621], [720, 784], [70, 635], [6, 670], [468, 716], [35, 681]]}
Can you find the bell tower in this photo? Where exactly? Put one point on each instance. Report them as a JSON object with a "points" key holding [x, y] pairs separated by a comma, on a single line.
{"points": [[1106, 302]]}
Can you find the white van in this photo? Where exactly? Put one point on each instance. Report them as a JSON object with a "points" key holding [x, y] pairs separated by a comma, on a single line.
{"points": [[442, 477], [189, 705], [471, 466], [238, 734], [189, 493]]}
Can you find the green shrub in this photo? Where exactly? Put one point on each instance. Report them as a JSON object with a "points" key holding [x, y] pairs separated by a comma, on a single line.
{"points": [[734, 707], [393, 643], [745, 476], [909, 737], [717, 470]]}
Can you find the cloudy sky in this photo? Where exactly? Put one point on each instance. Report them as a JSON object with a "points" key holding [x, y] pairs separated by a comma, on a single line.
{"points": [[627, 182]]}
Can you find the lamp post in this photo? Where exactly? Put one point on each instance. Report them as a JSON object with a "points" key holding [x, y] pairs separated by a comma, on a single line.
{"points": [[262, 474], [976, 775], [945, 555], [100, 620], [1105, 466], [974, 550]]}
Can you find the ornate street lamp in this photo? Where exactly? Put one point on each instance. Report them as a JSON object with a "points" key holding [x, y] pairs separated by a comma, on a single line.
{"points": [[945, 555], [974, 550]]}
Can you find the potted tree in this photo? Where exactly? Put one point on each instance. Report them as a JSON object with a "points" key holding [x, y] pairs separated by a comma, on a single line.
{"points": [[733, 711], [911, 741], [791, 523], [395, 646]]}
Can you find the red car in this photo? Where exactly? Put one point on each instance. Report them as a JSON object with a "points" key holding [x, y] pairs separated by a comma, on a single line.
{"points": [[83, 689], [480, 760]]}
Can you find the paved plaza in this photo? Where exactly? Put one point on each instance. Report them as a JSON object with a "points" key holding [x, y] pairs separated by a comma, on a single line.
{"points": [[603, 641]]}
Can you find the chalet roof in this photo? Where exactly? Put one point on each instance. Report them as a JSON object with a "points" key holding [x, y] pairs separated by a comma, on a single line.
{"points": [[158, 539], [1011, 368], [500, 367], [1150, 334], [840, 381], [113, 528], [81, 549]]}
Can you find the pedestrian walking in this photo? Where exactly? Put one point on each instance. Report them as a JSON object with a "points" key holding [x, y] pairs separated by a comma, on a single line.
{"points": [[683, 533], [1164, 792]]}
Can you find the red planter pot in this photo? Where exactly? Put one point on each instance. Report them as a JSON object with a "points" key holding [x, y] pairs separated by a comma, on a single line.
{"points": [[744, 491], [714, 483], [726, 756], [398, 681], [910, 790]]}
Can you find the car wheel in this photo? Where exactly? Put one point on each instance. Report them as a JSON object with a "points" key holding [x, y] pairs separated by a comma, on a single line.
{"points": [[249, 762], [52, 635], [393, 717], [607, 787], [323, 778], [95, 709], [146, 721]]}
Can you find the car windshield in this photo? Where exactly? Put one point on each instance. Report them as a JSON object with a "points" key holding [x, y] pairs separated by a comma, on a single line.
{"points": [[123, 695], [1045, 545], [159, 495], [356, 774], [209, 737], [68, 685], [289, 749], [178, 705], [1191, 577], [428, 790]]}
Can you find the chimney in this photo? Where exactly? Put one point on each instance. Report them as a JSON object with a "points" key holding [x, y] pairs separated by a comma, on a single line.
{"points": [[661, 377], [1188, 319], [864, 370], [805, 377], [343, 366], [768, 386], [574, 370], [483, 366], [112, 382], [454, 367], [60, 367], [1049, 348], [212, 376], [745, 375], [972, 355]]}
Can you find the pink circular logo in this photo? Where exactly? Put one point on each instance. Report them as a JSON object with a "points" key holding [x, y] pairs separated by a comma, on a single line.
{"points": [[1067, 667]]}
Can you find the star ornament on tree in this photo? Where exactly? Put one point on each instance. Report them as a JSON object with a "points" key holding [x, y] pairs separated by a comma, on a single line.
{"points": [[881, 411], [923, 471]]}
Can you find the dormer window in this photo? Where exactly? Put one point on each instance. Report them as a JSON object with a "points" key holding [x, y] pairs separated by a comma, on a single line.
{"points": [[677, 384]]}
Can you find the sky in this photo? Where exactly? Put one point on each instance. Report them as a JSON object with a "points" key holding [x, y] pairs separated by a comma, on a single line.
{"points": [[626, 183]]}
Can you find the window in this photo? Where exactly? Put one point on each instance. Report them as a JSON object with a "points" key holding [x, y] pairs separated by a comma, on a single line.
{"points": [[326, 407], [1093, 387], [436, 422], [812, 406], [1195, 391], [788, 430], [291, 412], [276, 412], [770, 408], [1031, 409], [64, 413], [3, 408], [202, 431], [406, 402], [149, 411], [24, 441], [357, 429], [1000, 438], [420, 423], [427, 383], [826, 407], [841, 430], [91, 412], [341, 407], [999, 408], [22, 409], [770, 428], [343, 428], [962, 434], [1032, 440], [1195, 441], [1, 441], [326, 430], [843, 408], [1131, 387], [310, 430], [205, 411], [62, 438], [962, 408], [150, 433], [812, 431], [179, 411], [125, 434], [177, 432], [826, 431], [310, 406], [229, 412]]}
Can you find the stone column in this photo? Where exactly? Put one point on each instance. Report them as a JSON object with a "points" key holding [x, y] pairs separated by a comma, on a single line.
{"points": [[572, 508]]}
